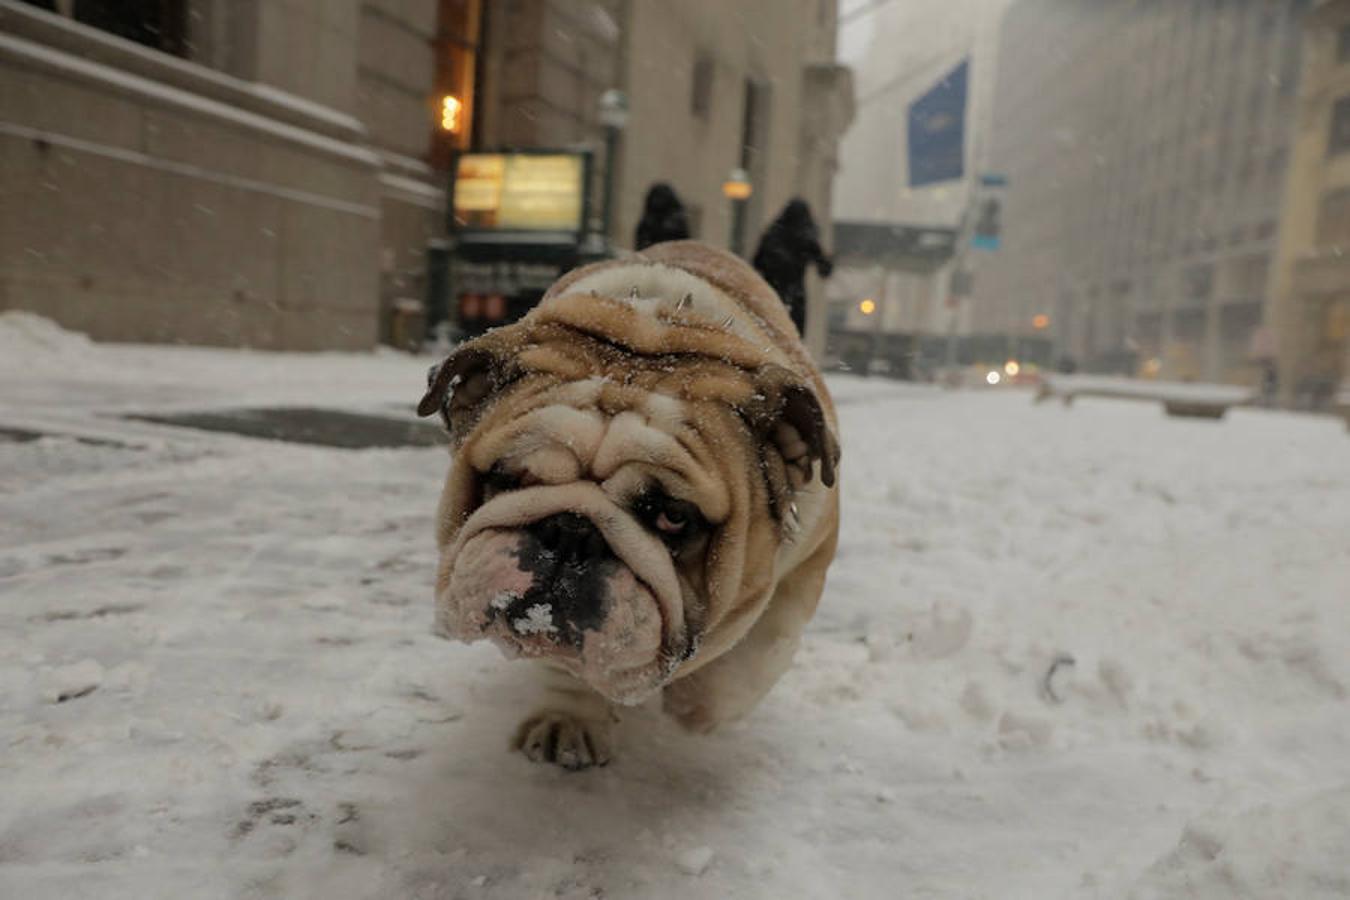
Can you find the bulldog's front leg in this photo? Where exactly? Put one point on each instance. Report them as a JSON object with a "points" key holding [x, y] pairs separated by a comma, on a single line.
{"points": [[572, 725], [733, 684]]}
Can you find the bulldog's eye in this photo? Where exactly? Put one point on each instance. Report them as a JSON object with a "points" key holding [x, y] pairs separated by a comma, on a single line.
{"points": [[671, 521]]}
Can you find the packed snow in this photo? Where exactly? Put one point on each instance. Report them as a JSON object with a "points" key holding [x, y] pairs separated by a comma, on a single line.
{"points": [[1087, 652], [538, 619]]}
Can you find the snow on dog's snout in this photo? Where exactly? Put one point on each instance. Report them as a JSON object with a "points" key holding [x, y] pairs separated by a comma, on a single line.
{"points": [[611, 617]]}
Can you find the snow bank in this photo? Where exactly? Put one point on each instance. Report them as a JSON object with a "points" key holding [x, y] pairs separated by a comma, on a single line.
{"points": [[25, 336]]}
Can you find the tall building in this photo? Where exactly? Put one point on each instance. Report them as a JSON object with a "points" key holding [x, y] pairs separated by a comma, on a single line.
{"points": [[1311, 288], [217, 171], [1145, 146]]}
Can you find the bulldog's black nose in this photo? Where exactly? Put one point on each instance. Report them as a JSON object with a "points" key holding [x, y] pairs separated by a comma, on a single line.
{"points": [[574, 538]]}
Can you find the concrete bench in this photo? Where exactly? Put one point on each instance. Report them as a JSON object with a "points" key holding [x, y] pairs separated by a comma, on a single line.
{"points": [[1189, 399]]}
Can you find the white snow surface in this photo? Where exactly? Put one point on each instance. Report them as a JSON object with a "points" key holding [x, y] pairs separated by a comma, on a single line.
{"points": [[263, 712], [537, 619]]}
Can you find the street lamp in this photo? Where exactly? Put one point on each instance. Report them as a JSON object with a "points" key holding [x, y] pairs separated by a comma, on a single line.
{"points": [[613, 117], [452, 114], [737, 189]]}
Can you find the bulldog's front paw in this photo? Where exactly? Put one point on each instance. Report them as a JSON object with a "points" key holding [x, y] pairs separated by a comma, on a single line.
{"points": [[564, 739]]}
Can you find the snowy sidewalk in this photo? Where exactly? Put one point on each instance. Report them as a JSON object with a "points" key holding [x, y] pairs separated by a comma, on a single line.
{"points": [[216, 676]]}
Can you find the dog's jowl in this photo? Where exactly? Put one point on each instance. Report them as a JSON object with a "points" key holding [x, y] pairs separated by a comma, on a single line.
{"points": [[642, 496]]}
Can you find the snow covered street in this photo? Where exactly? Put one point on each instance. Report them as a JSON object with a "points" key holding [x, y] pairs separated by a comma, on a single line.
{"points": [[1085, 652]]}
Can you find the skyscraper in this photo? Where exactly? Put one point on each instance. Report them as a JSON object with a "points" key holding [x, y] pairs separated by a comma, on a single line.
{"points": [[1145, 146]]}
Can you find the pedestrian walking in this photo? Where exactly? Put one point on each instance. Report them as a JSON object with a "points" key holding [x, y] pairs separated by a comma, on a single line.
{"points": [[789, 245], [663, 218]]}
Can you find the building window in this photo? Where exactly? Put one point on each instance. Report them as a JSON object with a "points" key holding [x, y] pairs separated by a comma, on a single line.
{"points": [[1198, 282], [1333, 218], [1250, 276], [1343, 44], [701, 90], [1188, 324], [1237, 321], [159, 24], [1276, 163], [1340, 128]]}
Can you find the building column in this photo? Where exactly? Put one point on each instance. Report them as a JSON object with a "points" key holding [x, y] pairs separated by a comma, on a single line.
{"points": [[1286, 310], [1211, 366], [1165, 329]]}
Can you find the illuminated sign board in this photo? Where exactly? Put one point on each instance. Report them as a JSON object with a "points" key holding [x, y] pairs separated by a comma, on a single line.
{"points": [[520, 191]]}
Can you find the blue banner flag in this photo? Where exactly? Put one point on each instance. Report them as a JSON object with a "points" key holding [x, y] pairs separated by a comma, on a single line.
{"points": [[937, 130]]}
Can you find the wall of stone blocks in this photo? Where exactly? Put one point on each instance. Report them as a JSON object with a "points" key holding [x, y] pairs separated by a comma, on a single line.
{"points": [[138, 209]]}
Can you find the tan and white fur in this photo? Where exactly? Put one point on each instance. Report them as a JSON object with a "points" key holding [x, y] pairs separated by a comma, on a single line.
{"points": [[665, 389]]}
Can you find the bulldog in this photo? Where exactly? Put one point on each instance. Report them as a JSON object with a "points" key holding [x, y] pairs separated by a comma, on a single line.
{"points": [[642, 494]]}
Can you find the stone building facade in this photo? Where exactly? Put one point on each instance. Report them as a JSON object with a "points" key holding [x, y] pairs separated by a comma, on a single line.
{"points": [[270, 173], [238, 172]]}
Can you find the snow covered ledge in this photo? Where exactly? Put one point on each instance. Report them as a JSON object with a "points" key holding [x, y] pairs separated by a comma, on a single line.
{"points": [[90, 45], [1188, 399]]}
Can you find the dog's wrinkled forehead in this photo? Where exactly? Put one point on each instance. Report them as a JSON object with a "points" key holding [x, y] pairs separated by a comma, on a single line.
{"points": [[657, 373], [575, 432]]}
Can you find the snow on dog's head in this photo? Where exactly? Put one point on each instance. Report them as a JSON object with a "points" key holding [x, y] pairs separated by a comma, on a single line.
{"points": [[625, 472]]}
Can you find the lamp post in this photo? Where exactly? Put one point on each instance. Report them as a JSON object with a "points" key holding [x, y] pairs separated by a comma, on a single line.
{"points": [[737, 189], [613, 116]]}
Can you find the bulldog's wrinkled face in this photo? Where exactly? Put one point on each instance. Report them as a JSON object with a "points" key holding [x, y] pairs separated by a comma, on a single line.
{"points": [[625, 475], [586, 538]]}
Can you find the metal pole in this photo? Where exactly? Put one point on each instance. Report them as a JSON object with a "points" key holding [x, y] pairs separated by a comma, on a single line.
{"points": [[883, 300], [607, 213], [963, 235], [738, 227]]}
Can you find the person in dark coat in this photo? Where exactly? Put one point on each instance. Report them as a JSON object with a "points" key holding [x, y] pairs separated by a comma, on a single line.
{"points": [[663, 218], [788, 246]]}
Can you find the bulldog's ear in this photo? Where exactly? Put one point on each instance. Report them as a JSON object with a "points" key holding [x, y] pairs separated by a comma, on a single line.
{"points": [[457, 386], [788, 416], [802, 434]]}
